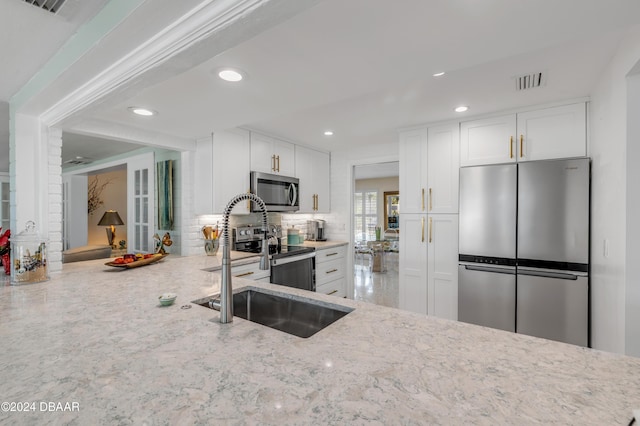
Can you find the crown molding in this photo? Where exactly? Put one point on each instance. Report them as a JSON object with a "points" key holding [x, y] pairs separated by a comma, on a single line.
{"points": [[198, 24]]}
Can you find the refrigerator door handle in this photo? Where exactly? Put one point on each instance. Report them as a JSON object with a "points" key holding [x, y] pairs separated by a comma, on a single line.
{"points": [[495, 270], [544, 274]]}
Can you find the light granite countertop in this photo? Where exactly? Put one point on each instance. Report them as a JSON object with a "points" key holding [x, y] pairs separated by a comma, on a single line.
{"points": [[95, 336]]}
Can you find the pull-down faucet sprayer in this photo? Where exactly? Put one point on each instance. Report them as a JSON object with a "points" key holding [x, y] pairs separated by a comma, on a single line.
{"points": [[226, 290]]}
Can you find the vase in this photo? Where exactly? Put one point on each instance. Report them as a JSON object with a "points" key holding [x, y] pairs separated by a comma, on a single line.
{"points": [[6, 262], [211, 247]]}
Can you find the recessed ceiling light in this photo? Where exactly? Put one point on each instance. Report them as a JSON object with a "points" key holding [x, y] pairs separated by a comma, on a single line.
{"points": [[143, 111], [229, 74], [438, 74], [462, 108], [328, 133]]}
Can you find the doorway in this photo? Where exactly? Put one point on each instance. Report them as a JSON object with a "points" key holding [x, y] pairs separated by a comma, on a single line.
{"points": [[376, 203]]}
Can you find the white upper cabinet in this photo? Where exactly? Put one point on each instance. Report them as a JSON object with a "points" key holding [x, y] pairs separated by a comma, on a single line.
{"points": [[429, 170], [270, 155], [559, 132], [313, 169], [556, 132], [222, 171], [413, 171], [488, 141], [442, 169]]}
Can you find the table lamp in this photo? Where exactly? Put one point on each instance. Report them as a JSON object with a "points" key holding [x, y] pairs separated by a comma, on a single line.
{"points": [[111, 218]]}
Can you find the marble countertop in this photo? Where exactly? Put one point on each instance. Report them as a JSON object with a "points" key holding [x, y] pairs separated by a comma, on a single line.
{"points": [[95, 336]]}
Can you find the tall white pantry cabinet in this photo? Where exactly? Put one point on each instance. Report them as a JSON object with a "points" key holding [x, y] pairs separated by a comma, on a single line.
{"points": [[429, 173]]}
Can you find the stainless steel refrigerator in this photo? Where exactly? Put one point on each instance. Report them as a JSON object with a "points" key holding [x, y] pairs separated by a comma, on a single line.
{"points": [[524, 248]]}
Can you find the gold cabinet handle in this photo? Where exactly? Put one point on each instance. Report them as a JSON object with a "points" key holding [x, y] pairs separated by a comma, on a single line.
{"points": [[331, 271], [511, 147], [423, 229], [248, 201], [244, 275], [430, 200], [333, 292], [422, 199], [273, 163], [521, 143], [278, 160], [331, 254], [430, 227]]}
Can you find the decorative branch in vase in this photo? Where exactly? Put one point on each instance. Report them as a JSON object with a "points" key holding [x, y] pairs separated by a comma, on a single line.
{"points": [[94, 189]]}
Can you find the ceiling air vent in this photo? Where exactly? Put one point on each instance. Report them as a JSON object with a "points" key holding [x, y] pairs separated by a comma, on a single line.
{"points": [[50, 5], [530, 81], [79, 161]]}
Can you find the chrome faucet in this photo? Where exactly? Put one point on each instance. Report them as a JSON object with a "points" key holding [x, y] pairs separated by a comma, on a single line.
{"points": [[226, 290]]}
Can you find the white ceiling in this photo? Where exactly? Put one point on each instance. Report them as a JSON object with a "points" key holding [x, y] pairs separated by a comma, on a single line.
{"points": [[30, 36], [363, 68]]}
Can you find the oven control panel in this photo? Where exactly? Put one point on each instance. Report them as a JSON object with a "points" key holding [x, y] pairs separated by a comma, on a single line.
{"points": [[247, 233]]}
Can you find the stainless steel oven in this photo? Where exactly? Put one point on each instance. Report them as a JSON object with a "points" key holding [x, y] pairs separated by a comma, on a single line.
{"points": [[279, 193]]}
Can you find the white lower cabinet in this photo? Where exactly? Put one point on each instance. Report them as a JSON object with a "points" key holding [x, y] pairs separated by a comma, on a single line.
{"points": [[331, 268], [428, 278], [251, 271]]}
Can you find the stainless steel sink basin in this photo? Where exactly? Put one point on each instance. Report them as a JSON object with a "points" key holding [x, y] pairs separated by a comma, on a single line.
{"points": [[295, 315]]}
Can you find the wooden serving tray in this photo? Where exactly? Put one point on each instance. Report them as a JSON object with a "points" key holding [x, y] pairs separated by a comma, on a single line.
{"points": [[141, 262]]}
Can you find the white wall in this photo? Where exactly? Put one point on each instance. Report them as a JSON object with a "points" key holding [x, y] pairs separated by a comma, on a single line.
{"points": [[632, 288], [608, 149], [75, 211]]}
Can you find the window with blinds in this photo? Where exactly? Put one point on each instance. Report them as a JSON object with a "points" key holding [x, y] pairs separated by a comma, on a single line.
{"points": [[365, 212]]}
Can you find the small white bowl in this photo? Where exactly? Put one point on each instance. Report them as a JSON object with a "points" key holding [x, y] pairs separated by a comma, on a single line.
{"points": [[167, 299]]}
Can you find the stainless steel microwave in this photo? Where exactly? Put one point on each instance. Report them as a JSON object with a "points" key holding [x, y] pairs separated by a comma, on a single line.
{"points": [[279, 193]]}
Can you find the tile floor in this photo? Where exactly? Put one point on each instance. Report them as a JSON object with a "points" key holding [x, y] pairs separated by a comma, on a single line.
{"points": [[380, 288]]}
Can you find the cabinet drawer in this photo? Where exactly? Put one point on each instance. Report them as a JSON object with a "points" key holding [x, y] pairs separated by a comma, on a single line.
{"points": [[250, 271], [327, 255], [333, 288], [329, 271]]}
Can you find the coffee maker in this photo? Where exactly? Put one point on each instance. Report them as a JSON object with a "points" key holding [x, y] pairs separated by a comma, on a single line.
{"points": [[315, 230]]}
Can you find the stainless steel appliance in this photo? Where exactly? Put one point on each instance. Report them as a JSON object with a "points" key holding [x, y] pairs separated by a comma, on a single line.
{"points": [[315, 230], [279, 193], [291, 266], [524, 248]]}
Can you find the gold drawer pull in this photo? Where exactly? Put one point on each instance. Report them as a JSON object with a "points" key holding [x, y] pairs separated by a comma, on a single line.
{"points": [[333, 270], [331, 254], [244, 275], [333, 292]]}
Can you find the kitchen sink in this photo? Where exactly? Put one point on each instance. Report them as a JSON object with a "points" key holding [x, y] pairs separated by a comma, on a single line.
{"points": [[292, 314]]}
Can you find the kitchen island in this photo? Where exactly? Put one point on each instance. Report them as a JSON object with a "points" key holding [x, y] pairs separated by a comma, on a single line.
{"points": [[95, 342]]}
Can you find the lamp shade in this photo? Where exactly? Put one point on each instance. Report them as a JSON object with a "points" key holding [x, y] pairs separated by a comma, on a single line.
{"points": [[110, 217]]}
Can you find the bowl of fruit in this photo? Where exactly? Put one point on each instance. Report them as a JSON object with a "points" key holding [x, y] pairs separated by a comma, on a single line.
{"points": [[133, 260]]}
